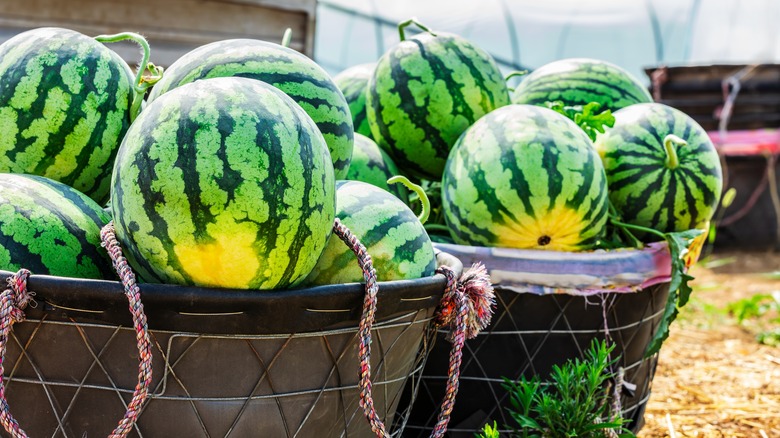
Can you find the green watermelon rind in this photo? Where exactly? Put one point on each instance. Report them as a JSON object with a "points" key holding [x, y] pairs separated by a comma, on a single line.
{"points": [[64, 108], [50, 228], [519, 166], [230, 167], [399, 246], [353, 83], [642, 188], [370, 164], [424, 93], [289, 71], [580, 81]]}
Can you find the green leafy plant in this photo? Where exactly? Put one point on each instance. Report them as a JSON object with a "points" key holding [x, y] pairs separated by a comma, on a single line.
{"points": [[574, 403], [586, 116], [759, 313]]}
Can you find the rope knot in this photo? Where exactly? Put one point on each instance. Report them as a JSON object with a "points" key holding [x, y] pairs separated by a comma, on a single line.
{"points": [[471, 294], [20, 297]]}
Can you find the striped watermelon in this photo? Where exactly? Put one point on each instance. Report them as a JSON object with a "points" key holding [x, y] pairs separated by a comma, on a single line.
{"points": [[50, 228], [372, 165], [424, 93], [353, 82], [290, 71], [64, 108], [393, 236], [525, 177], [655, 180], [224, 182], [579, 81]]}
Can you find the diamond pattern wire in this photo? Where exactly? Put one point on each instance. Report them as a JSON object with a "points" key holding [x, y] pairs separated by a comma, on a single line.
{"points": [[67, 378], [529, 334]]}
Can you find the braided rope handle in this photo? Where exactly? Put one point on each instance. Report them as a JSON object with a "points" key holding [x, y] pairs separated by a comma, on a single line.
{"points": [[133, 293], [13, 301], [364, 329], [466, 308]]}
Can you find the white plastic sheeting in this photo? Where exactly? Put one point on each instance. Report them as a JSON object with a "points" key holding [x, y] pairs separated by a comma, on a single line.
{"points": [[529, 33]]}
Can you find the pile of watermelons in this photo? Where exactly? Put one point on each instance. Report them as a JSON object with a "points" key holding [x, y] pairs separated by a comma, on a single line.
{"points": [[223, 175], [228, 168], [576, 158]]}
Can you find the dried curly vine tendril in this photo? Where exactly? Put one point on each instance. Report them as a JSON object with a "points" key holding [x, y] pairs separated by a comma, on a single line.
{"points": [[426, 204], [141, 83]]}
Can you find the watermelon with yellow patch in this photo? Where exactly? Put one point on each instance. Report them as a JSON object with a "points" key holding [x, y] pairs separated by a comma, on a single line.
{"points": [[525, 177], [224, 182]]}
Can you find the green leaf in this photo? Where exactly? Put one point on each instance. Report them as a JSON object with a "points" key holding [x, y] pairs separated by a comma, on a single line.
{"points": [[488, 431], [586, 117], [679, 289]]}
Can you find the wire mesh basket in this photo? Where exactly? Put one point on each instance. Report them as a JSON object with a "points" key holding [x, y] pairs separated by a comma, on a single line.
{"points": [[550, 307], [225, 363]]}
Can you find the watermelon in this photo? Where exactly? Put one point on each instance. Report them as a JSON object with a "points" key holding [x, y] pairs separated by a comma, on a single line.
{"points": [[353, 82], [424, 93], [393, 236], [372, 165], [51, 229], [525, 177], [663, 171], [223, 182], [64, 108], [290, 71], [579, 81]]}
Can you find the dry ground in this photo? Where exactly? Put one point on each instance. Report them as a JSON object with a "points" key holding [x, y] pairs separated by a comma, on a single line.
{"points": [[714, 379]]}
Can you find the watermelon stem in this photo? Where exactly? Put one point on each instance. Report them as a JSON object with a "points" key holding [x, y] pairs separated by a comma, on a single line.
{"points": [[426, 203], [512, 75], [671, 143], [515, 73], [287, 37], [638, 228], [437, 227], [404, 24], [141, 84]]}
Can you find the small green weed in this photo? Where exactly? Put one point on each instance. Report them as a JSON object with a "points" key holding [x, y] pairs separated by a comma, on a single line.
{"points": [[574, 403]]}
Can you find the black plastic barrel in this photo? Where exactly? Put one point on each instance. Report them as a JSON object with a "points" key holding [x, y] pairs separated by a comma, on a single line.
{"points": [[531, 333], [751, 222], [226, 363]]}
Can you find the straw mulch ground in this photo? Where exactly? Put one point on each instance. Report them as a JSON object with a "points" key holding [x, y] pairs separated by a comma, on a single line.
{"points": [[714, 379]]}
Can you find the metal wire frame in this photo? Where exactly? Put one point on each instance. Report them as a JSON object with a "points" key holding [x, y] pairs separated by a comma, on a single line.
{"points": [[534, 349], [174, 349]]}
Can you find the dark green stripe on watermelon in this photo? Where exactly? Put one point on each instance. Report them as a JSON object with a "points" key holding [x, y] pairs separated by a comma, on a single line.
{"points": [[579, 81], [353, 82], [643, 189], [50, 228], [290, 71], [224, 182], [424, 93], [393, 236], [525, 177], [372, 165], [64, 108]]}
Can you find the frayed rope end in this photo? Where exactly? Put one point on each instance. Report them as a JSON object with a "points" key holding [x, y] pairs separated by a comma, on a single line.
{"points": [[475, 285]]}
